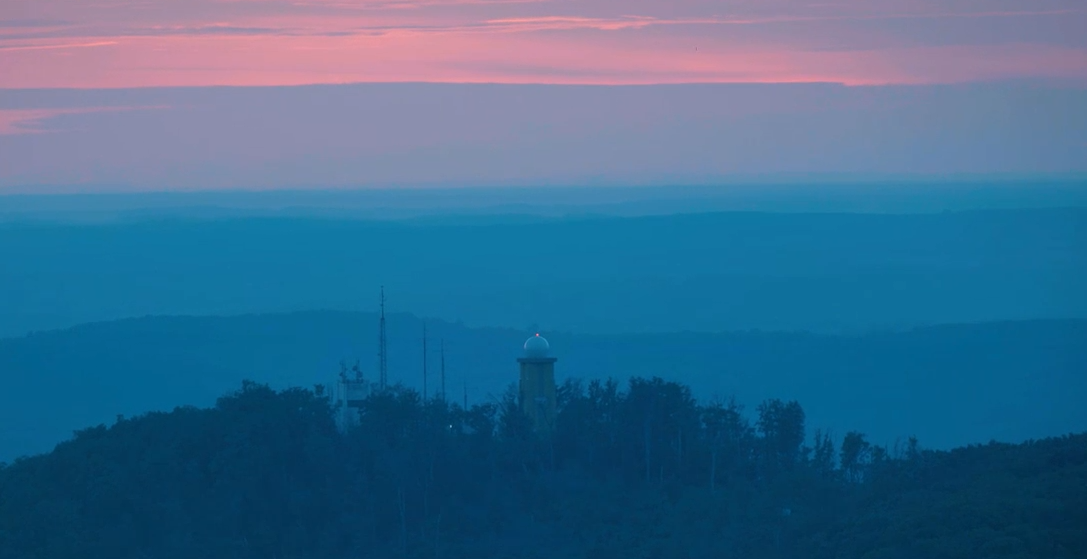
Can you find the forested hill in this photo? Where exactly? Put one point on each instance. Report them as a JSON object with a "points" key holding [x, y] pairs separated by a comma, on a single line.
{"points": [[948, 385], [635, 470]]}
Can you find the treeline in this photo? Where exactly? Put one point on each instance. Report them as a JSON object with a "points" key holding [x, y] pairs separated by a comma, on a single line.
{"points": [[640, 470]]}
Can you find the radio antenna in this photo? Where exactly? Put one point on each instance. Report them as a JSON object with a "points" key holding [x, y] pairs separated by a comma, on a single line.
{"points": [[424, 362], [382, 351], [443, 369]]}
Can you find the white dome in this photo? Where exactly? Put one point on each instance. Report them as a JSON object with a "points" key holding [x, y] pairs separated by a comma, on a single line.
{"points": [[537, 347]]}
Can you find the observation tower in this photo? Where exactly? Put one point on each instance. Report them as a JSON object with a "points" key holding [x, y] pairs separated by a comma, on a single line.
{"points": [[538, 384]]}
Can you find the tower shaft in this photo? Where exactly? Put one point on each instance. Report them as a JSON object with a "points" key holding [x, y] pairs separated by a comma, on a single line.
{"points": [[537, 385]]}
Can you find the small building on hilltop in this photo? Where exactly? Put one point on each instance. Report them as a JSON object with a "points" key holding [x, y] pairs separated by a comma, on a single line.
{"points": [[537, 389], [349, 393]]}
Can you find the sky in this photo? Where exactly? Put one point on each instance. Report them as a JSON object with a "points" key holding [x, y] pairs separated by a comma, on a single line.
{"points": [[128, 93]]}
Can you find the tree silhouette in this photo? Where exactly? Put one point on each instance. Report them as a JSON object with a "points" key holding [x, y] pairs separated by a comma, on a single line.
{"points": [[641, 472]]}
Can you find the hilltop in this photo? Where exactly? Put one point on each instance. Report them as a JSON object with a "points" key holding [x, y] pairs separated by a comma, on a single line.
{"points": [[948, 385], [636, 469]]}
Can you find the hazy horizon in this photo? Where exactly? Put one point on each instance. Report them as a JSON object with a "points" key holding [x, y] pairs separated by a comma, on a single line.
{"points": [[833, 195], [365, 135]]}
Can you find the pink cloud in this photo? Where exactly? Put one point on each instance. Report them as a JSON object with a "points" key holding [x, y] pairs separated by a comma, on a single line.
{"points": [[132, 43], [28, 121], [32, 121], [52, 46]]}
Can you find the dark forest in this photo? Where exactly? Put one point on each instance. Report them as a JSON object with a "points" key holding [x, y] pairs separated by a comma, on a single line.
{"points": [[630, 471]]}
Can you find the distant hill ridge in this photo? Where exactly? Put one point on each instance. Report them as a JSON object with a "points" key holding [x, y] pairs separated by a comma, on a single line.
{"points": [[701, 272], [949, 385]]}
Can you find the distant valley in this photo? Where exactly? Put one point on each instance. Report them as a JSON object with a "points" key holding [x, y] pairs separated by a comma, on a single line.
{"points": [[709, 272]]}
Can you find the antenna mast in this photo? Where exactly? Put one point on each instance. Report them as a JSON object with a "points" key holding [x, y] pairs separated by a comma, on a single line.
{"points": [[465, 394], [443, 369], [382, 364], [424, 362]]}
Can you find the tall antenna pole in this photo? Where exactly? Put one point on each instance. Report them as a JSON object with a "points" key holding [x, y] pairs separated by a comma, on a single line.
{"points": [[424, 362], [443, 369], [465, 394], [382, 355]]}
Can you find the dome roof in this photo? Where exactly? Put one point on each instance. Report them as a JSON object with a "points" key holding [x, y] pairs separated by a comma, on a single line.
{"points": [[537, 347]]}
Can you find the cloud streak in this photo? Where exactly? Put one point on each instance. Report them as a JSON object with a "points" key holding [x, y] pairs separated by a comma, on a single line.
{"points": [[18, 47], [35, 121]]}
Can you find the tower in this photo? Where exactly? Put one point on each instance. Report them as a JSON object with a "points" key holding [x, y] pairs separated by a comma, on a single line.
{"points": [[538, 384], [443, 368]]}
